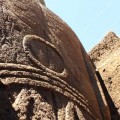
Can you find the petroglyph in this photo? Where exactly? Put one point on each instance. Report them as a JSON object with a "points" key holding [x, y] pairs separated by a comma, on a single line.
{"points": [[44, 71]]}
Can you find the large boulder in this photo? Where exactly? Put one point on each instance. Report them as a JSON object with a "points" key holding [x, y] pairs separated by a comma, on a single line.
{"points": [[45, 72]]}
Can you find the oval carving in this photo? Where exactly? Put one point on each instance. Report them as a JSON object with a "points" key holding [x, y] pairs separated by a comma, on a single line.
{"points": [[44, 53]]}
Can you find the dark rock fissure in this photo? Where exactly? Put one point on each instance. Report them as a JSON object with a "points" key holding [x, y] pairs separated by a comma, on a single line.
{"points": [[113, 109]]}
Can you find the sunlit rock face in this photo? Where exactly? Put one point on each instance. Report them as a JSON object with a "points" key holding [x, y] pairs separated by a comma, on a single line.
{"points": [[106, 56], [45, 72]]}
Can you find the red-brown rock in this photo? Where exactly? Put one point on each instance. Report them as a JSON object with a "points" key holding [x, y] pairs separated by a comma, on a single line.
{"points": [[45, 70]]}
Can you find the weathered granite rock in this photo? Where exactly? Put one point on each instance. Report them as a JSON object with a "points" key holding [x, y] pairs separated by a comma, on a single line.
{"points": [[106, 56], [45, 72]]}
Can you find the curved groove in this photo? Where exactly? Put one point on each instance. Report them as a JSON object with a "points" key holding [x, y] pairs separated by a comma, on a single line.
{"points": [[24, 68], [26, 40], [12, 66], [16, 67], [8, 71]]}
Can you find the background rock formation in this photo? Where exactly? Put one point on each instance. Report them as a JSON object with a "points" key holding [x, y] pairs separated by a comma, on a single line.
{"points": [[106, 57]]}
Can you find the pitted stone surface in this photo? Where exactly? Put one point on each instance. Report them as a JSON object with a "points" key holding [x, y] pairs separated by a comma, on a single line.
{"points": [[45, 72]]}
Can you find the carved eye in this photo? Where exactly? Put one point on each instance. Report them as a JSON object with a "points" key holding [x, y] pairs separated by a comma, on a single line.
{"points": [[43, 53]]}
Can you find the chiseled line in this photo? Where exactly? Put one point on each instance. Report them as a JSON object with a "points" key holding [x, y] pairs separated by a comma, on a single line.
{"points": [[12, 67], [67, 92], [17, 72]]}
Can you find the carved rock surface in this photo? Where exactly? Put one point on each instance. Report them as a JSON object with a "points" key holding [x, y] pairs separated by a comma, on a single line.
{"points": [[106, 56], [45, 72]]}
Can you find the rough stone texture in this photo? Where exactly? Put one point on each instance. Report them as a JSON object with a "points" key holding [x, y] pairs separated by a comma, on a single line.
{"points": [[42, 2], [45, 73], [106, 56]]}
